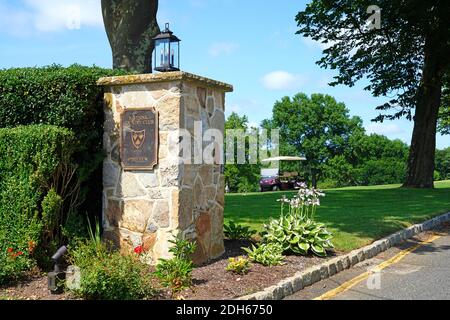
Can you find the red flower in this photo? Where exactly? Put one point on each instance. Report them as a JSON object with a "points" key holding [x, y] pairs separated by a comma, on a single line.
{"points": [[31, 246], [17, 254], [139, 250], [10, 250]]}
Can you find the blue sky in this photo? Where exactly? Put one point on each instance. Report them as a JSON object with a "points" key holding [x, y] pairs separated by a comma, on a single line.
{"points": [[250, 44]]}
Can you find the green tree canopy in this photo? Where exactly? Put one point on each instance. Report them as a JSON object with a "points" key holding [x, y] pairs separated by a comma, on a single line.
{"points": [[407, 57], [317, 127], [241, 177], [443, 163]]}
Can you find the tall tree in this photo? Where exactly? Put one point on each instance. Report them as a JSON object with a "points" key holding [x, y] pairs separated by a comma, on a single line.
{"points": [[407, 56], [317, 127], [241, 177], [131, 25]]}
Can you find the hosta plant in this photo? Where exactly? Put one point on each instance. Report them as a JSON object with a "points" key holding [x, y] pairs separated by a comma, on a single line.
{"points": [[296, 231], [298, 236], [267, 254], [235, 231]]}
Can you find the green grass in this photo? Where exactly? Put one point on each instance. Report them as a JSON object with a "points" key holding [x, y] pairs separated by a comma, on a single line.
{"points": [[357, 216]]}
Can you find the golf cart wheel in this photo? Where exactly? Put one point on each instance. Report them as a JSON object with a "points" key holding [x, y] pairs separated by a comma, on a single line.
{"points": [[275, 188]]}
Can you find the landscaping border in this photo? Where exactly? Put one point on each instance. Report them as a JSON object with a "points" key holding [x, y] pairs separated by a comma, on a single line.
{"points": [[333, 266]]}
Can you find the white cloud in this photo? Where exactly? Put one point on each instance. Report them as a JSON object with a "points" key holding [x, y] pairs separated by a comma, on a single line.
{"points": [[312, 44], [220, 48], [282, 80], [384, 129], [241, 104], [50, 16]]}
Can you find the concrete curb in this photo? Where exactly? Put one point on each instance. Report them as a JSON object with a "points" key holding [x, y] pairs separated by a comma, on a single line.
{"points": [[315, 274]]}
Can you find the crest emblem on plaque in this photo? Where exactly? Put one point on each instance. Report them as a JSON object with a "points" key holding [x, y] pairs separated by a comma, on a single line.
{"points": [[138, 138]]}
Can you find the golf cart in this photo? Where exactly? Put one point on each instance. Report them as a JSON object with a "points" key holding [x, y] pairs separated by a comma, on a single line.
{"points": [[273, 180]]}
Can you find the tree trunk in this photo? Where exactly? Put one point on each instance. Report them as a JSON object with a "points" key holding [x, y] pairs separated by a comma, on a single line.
{"points": [[421, 162], [131, 25]]}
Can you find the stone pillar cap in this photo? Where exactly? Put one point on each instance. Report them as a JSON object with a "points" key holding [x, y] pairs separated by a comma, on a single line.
{"points": [[162, 77]]}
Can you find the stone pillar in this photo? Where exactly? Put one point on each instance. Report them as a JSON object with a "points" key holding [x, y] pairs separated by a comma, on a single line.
{"points": [[148, 207]]}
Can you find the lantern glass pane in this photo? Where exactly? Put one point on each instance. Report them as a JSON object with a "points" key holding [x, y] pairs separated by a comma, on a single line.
{"points": [[174, 48], [162, 53]]}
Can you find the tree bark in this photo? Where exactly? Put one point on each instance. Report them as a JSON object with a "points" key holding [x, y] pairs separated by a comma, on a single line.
{"points": [[131, 25], [421, 162]]}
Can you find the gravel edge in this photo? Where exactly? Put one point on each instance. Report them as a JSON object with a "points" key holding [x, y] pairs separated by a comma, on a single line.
{"points": [[317, 273]]}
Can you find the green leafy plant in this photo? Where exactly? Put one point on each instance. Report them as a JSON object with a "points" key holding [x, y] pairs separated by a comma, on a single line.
{"points": [[298, 236], [31, 193], [267, 254], [235, 231], [239, 265], [176, 273], [66, 97], [109, 275], [296, 231]]}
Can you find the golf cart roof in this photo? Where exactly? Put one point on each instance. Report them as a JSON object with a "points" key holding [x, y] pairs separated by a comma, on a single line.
{"points": [[284, 159]]}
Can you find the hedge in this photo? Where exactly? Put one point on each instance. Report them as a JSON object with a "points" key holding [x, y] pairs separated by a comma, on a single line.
{"points": [[64, 97], [35, 163]]}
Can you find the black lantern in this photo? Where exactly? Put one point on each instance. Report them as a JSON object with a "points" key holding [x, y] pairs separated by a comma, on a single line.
{"points": [[167, 51]]}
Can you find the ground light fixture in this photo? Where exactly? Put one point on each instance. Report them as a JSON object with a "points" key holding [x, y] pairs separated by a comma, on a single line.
{"points": [[57, 277], [167, 51]]}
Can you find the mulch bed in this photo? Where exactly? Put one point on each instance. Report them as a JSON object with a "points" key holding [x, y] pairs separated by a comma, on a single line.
{"points": [[32, 288], [211, 281]]}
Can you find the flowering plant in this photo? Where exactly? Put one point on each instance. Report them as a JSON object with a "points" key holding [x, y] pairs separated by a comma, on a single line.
{"points": [[296, 231], [304, 204], [139, 250], [238, 265], [15, 258]]}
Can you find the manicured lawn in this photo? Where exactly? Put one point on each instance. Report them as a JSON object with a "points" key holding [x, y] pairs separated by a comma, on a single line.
{"points": [[357, 216]]}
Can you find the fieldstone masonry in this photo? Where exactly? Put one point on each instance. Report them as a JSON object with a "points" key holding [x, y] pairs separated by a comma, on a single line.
{"points": [[148, 207]]}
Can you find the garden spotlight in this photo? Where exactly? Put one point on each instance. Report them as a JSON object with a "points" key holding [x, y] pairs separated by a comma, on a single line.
{"points": [[57, 276]]}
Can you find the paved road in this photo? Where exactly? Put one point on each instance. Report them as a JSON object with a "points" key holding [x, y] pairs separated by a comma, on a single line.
{"points": [[423, 274]]}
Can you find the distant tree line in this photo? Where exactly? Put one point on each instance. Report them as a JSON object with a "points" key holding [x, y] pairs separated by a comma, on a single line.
{"points": [[338, 150]]}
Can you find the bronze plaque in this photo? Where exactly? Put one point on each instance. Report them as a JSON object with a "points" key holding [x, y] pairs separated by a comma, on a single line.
{"points": [[139, 139]]}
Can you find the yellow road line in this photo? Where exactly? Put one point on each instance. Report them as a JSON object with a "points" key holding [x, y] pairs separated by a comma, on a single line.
{"points": [[353, 282]]}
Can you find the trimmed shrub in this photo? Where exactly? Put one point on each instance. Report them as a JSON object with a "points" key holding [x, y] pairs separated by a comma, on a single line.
{"points": [[35, 162], [64, 97]]}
